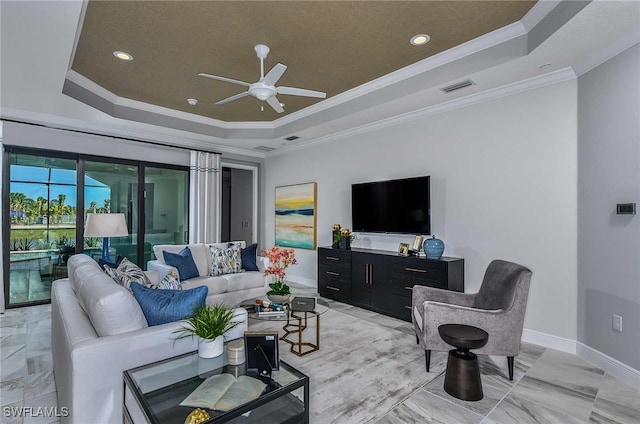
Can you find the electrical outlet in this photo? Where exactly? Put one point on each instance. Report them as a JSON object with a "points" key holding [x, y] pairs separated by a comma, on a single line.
{"points": [[617, 323]]}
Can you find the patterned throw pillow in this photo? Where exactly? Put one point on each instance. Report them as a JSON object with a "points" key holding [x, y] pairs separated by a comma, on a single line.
{"points": [[171, 281], [126, 273], [248, 257], [225, 261]]}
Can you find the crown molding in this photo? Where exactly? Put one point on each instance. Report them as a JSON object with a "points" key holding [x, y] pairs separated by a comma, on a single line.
{"points": [[116, 100], [626, 41], [537, 13], [64, 123], [533, 83], [476, 45]]}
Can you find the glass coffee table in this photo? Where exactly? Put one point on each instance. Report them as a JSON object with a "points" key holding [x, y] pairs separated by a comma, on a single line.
{"points": [[295, 324], [152, 393]]}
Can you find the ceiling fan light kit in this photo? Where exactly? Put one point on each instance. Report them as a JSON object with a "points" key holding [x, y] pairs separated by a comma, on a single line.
{"points": [[264, 89]]}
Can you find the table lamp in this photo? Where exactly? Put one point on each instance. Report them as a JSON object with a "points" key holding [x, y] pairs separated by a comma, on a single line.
{"points": [[105, 225]]}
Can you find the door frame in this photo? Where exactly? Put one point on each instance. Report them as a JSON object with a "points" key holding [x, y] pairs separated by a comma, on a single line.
{"points": [[254, 187]]}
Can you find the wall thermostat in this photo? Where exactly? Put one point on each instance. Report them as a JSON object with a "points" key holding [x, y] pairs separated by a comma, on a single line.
{"points": [[626, 208]]}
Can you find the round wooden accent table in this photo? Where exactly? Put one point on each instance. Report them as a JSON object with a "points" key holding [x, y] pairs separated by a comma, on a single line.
{"points": [[462, 378]]}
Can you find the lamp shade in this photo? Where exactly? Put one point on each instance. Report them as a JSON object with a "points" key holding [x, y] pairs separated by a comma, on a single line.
{"points": [[105, 225]]}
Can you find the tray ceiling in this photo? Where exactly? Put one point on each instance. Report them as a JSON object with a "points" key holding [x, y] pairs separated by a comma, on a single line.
{"points": [[328, 46]]}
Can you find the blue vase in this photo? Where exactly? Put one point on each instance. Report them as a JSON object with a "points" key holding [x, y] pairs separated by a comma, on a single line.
{"points": [[433, 247]]}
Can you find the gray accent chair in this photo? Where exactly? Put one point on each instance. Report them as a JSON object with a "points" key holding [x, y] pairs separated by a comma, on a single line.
{"points": [[498, 308]]}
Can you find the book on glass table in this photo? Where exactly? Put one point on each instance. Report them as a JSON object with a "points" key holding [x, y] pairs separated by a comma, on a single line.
{"points": [[264, 311], [224, 392]]}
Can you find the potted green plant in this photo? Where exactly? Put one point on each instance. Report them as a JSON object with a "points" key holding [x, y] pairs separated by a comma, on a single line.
{"points": [[209, 323], [279, 293]]}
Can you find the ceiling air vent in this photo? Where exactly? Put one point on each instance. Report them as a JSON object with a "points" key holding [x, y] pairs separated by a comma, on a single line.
{"points": [[264, 148], [292, 137], [457, 86]]}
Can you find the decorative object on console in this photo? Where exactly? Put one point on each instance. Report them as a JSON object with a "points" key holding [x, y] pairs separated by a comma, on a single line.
{"points": [[209, 323], [295, 210], [403, 249], [345, 238], [433, 247], [279, 260], [417, 244], [105, 225], [336, 236]]}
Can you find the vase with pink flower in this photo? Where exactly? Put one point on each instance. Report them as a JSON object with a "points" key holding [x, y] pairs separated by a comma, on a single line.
{"points": [[279, 259]]}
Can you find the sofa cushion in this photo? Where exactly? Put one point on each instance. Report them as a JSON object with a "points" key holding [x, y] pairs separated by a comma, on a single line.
{"points": [[126, 273], [110, 307], [248, 257], [216, 285], [246, 280], [200, 253], [225, 260], [183, 262], [162, 306]]}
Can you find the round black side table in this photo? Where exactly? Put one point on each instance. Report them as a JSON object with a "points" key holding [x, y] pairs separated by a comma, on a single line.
{"points": [[462, 378]]}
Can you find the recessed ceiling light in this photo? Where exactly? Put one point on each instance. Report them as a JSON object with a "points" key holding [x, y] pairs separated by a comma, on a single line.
{"points": [[420, 39], [122, 55], [192, 102], [545, 67]]}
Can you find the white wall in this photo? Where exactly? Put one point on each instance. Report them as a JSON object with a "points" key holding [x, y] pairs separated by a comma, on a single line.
{"points": [[609, 173], [503, 185]]}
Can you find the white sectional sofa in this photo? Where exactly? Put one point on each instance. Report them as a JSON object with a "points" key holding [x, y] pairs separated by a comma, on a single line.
{"points": [[98, 330], [229, 289]]}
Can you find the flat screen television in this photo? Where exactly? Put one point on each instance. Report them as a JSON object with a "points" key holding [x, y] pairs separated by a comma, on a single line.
{"points": [[393, 206]]}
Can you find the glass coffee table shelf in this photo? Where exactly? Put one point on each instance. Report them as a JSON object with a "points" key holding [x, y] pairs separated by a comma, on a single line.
{"points": [[152, 393], [295, 323]]}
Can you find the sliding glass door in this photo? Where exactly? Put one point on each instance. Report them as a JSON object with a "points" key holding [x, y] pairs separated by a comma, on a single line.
{"points": [[112, 188], [42, 216], [47, 196]]}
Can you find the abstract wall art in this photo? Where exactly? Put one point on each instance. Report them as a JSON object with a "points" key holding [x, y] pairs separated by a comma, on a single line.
{"points": [[296, 216]]}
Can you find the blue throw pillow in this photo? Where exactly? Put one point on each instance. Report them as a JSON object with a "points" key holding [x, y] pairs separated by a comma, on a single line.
{"points": [[161, 306], [183, 262], [248, 257], [104, 263]]}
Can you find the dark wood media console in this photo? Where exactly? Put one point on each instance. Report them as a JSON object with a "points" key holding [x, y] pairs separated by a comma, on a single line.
{"points": [[382, 281]]}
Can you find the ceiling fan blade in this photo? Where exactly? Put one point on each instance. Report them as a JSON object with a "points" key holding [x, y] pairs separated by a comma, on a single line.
{"points": [[275, 104], [274, 74], [215, 77], [232, 98], [292, 91]]}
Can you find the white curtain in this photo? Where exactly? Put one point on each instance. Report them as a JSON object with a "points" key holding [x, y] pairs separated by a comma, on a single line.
{"points": [[204, 197]]}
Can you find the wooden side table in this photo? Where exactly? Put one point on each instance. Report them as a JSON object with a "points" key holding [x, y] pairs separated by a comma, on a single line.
{"points": [[462, 378]]}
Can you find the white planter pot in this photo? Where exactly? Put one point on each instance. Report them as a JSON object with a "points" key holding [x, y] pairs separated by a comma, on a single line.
{"points": [[211, 348]]}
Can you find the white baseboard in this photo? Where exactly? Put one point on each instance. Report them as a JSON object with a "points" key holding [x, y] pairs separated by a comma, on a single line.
{"points": [[548, 340], [623, 372]]}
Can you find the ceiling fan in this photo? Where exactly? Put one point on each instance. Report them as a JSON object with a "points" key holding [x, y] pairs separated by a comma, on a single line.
{"points": [[264, 88]]}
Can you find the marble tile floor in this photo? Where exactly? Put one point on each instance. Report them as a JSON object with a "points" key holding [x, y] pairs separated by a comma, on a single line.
{"points": [[549, 386]]}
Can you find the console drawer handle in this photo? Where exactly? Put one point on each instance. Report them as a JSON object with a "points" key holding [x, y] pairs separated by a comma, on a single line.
{"points": [[409, 288], [333, 273], [333, 288], [408, 307], [333, 258], [416, 270]]}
